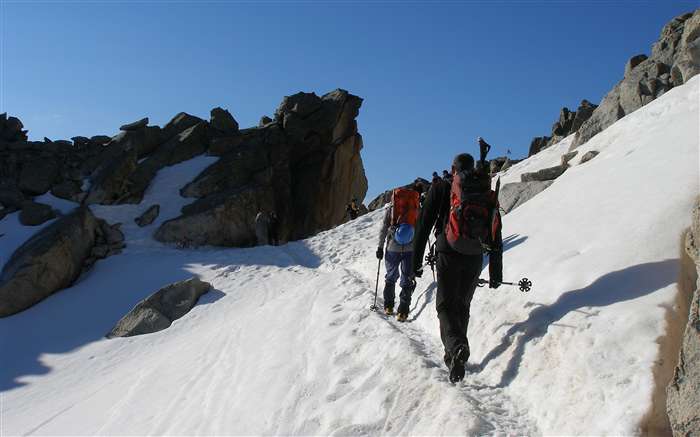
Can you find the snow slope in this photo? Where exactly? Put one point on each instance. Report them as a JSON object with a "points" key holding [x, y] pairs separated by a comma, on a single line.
{"points": [[285, 343]]}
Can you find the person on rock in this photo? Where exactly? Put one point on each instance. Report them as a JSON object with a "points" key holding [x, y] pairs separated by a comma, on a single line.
{"points": [[398, 228], [353, 210], [460, 247], [262, 223]]}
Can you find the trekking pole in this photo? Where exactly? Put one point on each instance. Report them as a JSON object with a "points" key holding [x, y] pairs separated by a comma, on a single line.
{"points": [[373, 307], [524, 284]]}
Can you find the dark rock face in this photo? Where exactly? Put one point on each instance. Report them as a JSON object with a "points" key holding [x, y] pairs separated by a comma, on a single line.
{"points": [[588, 156], [34, 214], [38, 176], [675, 58], [69, 190], [515, 194], [546, 174], [537, 144], [148, 216], [49, 261], [179, 123], [111, 181], [305, 166], [158, 311], [683, 393], [223, 122]]}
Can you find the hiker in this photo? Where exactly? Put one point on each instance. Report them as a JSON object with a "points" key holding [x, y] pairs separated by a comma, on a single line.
{"points": [[262, 222], [460, 246], [447, 177], [273, 229], [352, 209], [436, 178], [399, 226]]}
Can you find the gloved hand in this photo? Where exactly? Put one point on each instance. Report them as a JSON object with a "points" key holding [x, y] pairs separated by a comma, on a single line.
{"points": [[494, 283], [380, 252], [418, 272]]}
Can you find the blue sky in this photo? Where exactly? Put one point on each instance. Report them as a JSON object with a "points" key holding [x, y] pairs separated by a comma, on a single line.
{"points": [[434, 75]]}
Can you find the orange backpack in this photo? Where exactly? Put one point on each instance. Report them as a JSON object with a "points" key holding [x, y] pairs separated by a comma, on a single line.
{"points": [[404, 206]]}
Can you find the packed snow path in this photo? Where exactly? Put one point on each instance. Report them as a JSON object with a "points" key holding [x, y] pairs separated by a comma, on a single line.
{"points": [[285, 344]]}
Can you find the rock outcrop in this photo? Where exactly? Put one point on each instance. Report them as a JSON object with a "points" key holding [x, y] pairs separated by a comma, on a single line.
{"points": [[158, 311], [148, 216], [546, 174], [512, 195], [683, 393], [675, 58], [588, 156], [305, 166], [568, 123]]}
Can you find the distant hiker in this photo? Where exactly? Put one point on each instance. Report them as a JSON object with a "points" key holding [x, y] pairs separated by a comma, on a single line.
{"points": [[399, 226], [467, 222], [273, 229], [447, 177], [436, 178], [352, 209], [262, 223]]}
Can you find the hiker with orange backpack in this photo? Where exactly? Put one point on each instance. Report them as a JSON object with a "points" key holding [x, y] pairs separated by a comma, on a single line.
{"points": [[399, 227], [467, 223]]}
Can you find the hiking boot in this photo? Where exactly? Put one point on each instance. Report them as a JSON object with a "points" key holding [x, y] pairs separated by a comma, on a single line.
{"points": [[401, 317], [389, 311], [457, 361]]}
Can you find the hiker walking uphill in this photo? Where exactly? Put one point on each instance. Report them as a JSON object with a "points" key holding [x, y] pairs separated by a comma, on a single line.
{"points": [[399, 226], [467, 222]]}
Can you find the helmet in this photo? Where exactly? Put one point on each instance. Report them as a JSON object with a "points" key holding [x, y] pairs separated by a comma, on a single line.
{"points": [[404, 234]]}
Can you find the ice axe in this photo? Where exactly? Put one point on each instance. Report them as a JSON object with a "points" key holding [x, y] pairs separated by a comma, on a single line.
{"points": [[524, 284]]}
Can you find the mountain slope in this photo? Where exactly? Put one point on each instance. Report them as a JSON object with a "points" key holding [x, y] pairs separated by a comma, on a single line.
{"points": [[285, 343]]}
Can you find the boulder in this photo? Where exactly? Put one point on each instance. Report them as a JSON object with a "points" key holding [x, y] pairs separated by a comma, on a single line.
{"points": [[144, 140], [37, 176], [189, 143], [11, 129], [148, 216], [80, 141], [546, 174], [49, 261], [159, 310], [264, 120], [100, 139], [140, 124], [10, 195], [588, 156], [34, 214], [68, 189], [565, 158], [512, 195], [633, 62], [179, 123], [222, 121], [683, 392]]}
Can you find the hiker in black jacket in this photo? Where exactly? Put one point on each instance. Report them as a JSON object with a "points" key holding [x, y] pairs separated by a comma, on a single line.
{"points": [[457, 273]]}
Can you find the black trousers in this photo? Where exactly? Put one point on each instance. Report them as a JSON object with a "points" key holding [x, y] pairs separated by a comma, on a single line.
{"points": [[457, 278]]}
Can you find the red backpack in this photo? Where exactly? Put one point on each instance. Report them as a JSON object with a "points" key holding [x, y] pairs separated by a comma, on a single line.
{"points": [[473, 219], [404, 206]]}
